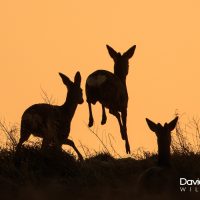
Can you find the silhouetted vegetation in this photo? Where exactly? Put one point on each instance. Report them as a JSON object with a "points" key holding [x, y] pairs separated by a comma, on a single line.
{"points": [[33, 174]]}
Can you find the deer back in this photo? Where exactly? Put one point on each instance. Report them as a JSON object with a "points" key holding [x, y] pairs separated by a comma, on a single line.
{"points": [[105, 87]]}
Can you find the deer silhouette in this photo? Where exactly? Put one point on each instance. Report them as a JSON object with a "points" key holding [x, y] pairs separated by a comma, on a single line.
{"points": [[110, 90], [157, 178], [52, 122]]}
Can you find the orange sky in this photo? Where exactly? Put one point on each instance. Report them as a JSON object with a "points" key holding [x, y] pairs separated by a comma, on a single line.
{"points": [[38, 39]]}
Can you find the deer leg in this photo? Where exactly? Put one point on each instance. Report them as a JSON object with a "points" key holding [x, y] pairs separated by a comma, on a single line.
{"points": [[91, 120], [124, 116], [19, 145], [124, 130], [45, 144], [23, 137], [71, 143], [117, 115], [104, 118]]}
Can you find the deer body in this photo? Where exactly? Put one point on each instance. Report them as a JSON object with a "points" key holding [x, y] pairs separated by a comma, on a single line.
{"points": [[111, 91], [52, 122], [101, 90], [156, 179]]}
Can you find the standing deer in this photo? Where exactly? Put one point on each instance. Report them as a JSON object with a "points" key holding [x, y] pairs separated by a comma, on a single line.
{"points": [[156, 179], [52, 122], [111, 91]]}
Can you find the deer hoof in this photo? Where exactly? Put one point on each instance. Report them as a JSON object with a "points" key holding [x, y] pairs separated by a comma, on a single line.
{"points": [[128, 151], [103, 121], [80, 157], [90, 124]]}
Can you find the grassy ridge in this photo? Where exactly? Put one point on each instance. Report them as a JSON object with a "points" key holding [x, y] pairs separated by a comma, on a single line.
{"points": [[35, 175]]}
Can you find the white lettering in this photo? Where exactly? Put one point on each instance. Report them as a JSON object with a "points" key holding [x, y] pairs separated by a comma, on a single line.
{"points": [[196, 189], [183, 181], [189, 182], [182, 189]]}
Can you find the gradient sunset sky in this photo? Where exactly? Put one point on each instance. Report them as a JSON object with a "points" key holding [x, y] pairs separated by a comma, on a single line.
{"points": [[38, 39]]}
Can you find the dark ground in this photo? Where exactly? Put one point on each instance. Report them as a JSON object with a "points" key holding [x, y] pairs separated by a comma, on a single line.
{"points": [[40, 176]]}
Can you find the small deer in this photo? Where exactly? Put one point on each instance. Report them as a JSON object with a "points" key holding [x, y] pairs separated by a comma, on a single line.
{"points": [[52, 122], [111, 91], [157, 178]]}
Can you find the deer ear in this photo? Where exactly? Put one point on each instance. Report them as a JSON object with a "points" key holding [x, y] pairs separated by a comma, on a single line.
{"points": [[65, 79], [152, 125], [113, 54], [129, 53], [171, 125], [77, 78]]}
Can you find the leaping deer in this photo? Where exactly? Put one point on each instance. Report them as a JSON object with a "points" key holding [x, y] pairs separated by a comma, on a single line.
{"points": [[111, 91], [52, 122]]}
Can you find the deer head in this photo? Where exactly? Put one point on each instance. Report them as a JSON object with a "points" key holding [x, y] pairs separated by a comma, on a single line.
{"points": [[121, 66], [163, 134], [74, 89]]}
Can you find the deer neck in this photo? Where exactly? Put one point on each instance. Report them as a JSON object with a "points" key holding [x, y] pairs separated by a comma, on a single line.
{"points": [[121, 71], [69, 106], [123, 81], [121, 77], [164, 156]]}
